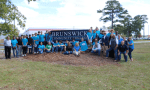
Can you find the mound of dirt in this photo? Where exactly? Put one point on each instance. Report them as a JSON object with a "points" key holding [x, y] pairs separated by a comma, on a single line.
{"points": [[87, 59]]}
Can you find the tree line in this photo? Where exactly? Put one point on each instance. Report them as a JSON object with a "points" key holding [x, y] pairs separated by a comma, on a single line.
{"points": [[121, 19]]}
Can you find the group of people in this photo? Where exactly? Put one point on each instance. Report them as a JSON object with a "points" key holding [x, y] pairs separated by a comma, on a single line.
{"points": [[111, 45]]}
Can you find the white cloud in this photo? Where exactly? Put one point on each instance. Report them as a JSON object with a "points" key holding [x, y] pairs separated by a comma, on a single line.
{"points": [[79, 13], [32, 4], [49, 0]]}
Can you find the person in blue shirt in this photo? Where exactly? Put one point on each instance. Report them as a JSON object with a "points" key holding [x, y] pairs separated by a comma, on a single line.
{"points": [[83, 45], [89, 35], [41, 48], [66, 43], [50, 38], [41, 37], [24, 45], [110, 32], [14, 43], [131, 48], [55, 47], [36, 43], [119, 39], [61, 46], [105, 43], [33, 42], [76, 49], [46, 35], [74, 42]]}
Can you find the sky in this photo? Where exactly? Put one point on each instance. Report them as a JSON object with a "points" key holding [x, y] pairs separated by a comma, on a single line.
{"points": [[80, 14]]}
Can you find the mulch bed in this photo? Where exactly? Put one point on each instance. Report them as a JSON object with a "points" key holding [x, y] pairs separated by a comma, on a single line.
{"points": [[87, 59]]}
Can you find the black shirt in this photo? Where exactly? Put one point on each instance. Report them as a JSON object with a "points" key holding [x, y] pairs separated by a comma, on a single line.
{"points": [[30, 41], [69, 48], [122, 48], [19, 41]]}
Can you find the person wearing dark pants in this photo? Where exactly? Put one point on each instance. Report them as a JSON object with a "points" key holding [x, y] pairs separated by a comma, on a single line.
{"points": [[19, 46], [30, 44], [36, 43], [14, 43], [61, 46], [122, 49], [48, 47], [7, 44], [131, 48], [41, 48], [55, 47], [27, 45], [24, 43], [113, 46], [96, 48], [105, 43]]}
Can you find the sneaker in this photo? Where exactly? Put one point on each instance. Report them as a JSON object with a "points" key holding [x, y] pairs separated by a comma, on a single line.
{"points": [[25, 55]]}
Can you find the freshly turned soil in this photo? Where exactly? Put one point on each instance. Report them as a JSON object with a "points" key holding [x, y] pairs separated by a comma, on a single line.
{"points": [[86, 59]]}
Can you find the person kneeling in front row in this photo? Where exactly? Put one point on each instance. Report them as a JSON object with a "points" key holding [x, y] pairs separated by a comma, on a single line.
{"points": [[41, 48], [76, 49], [122, 49], [48, 47], [96, 48]]}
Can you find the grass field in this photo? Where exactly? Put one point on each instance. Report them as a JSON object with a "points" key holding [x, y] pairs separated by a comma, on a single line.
{"points": [[18, 74]]}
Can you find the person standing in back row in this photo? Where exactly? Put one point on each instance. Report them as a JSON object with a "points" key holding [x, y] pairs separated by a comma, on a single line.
{"points": [[7, 44], [36, 43], [113, 46], [19, 46], [131, 48], [24, 45], [14, 43], [30, 44], [105, 43]]}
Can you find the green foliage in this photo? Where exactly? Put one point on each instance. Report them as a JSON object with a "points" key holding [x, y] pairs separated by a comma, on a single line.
{"points": [[114, 7], [9, 13]]}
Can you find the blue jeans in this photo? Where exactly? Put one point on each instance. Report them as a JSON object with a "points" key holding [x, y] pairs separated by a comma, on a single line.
{"points": [[55, 48], [130, 53], [40, 51], [125, 57], [115, 51], [47, 51], [36, 49], [60, 49], [15, 52], [97, 51]]}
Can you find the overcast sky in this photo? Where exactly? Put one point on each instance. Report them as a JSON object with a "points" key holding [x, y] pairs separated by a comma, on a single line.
{"points": [[81, 14]]}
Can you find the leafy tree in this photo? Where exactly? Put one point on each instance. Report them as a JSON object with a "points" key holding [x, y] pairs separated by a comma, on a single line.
{"points": [[113, 11], [9, 13]]}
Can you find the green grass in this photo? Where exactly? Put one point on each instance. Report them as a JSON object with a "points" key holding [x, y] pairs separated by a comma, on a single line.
{"points": [[23, 74]]}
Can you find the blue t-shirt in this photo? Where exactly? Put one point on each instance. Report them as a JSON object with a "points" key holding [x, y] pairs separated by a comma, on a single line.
{"points": [[73, 43], [98, 32], [46, 35], [89, 35], [36, 38], [55, 44], [101, 35], [119, 41], [110, 34], [131, 46], [61, 44], [94, 35], [83, 46], [77, 48], [24, 41], [41, 38], [14, 42], [41, 47]]}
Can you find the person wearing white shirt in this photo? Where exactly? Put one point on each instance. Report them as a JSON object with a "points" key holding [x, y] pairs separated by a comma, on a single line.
{"points": [[113, 46], [7, 44], [96, 48]]}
